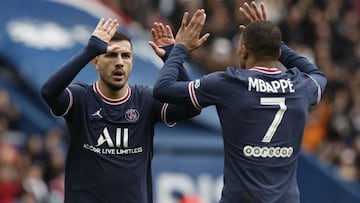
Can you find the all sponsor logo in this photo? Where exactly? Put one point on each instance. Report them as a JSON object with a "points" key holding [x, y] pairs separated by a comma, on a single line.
{"points": [[118, 145]]}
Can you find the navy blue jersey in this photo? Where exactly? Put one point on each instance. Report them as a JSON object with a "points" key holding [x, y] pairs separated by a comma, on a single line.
{"points": [[111, 140], [111, 145], [262, 113]]}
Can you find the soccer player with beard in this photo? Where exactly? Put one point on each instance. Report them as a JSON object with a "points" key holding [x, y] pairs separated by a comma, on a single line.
{"points": [[110, 123], [262, 109]]}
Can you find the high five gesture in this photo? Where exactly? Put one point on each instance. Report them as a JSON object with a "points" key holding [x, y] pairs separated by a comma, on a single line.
{"points": [[189, 33]]}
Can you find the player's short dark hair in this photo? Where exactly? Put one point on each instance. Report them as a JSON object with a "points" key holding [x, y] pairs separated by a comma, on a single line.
{"points": [[119, 36], [262, 38]]}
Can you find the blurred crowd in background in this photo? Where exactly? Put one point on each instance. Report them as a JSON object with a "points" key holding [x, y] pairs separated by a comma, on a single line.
{"points": [[31, 166], [327, 32]]}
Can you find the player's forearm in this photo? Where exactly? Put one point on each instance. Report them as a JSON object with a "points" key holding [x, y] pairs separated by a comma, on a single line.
{"points": [[289, 58], [176, 113], [167, 89], [183, 75], [57, 83]]}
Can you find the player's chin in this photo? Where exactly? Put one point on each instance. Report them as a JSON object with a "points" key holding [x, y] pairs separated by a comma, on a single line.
{"points": [[117, 85]]}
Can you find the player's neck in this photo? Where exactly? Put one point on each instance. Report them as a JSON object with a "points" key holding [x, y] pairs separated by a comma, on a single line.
{"points": [[263, 63]]}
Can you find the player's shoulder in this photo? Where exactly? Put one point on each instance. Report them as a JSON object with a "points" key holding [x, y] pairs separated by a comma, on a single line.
{"points": [[229, 72], [142, 94], [79, 86], [294, 71], [236, 73]]}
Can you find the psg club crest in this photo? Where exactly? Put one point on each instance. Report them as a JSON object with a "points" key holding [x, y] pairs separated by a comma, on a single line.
{"points": [[132, 115]]}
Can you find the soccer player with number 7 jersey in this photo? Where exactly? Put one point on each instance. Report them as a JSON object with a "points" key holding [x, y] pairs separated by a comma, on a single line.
{"points": [[262, 109]]}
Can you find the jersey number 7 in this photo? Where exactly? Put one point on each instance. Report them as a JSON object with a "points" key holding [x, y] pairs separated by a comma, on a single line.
{"points": [[278, 116]]}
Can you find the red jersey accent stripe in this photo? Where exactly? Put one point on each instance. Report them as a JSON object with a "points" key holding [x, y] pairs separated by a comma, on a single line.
{"points": [[267, 70], [163, 116], [193, 96]]}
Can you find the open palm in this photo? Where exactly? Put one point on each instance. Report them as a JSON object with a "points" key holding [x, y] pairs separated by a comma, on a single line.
{"points": [[162, 36]]}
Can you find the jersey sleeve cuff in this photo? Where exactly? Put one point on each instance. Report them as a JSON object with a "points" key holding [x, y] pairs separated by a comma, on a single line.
{"points": [[163, 116]]}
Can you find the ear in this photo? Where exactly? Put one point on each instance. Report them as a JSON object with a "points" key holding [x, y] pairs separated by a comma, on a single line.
{"points": [[279, 53], [95, 62], [244, 52]]}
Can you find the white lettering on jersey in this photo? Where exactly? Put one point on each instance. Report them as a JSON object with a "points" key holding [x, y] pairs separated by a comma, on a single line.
{"points": [[275, 86], [120, 147], [113, 151], [105, 137]]}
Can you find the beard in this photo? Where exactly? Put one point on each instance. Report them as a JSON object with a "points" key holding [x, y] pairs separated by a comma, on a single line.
{"points": [[113, 85]]}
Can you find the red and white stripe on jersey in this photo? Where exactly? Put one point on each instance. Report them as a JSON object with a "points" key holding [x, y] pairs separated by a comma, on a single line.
{"points": [[163, 115], [193, 96], [266, 70], [109, 100]]}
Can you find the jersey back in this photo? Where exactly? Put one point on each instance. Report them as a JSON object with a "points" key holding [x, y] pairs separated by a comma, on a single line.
{"points": [[263, 114]]}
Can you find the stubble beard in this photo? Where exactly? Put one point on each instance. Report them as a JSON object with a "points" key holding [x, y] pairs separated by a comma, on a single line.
{"points": [[114, 86]]}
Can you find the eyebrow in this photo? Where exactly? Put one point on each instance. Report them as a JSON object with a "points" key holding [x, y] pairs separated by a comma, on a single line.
{"points": [[118, 49]]}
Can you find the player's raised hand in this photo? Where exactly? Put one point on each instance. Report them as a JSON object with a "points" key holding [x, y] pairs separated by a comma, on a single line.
{"points": [[189, 33], [252, 13], [105, 30], [162, 36]]}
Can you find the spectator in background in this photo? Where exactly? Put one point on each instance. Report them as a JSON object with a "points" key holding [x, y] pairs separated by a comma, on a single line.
{"points": [[34, 184], [10, 157], [54, 154], [33, 151], [10, 177], [347, 164], [57, 188], [9, 114], [317, 127]]}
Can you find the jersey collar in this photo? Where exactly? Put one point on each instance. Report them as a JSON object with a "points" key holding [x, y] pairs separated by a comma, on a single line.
{"points": [[109, 100], [266, 70]]}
